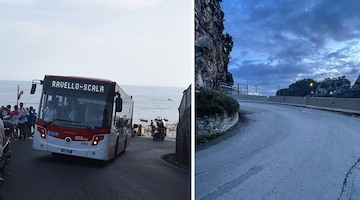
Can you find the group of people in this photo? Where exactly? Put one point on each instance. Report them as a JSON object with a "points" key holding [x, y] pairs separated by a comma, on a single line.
{"points": [[157, 124], [22, 119]]}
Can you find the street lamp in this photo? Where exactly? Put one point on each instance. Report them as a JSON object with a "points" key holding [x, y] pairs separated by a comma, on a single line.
{"points": [[312, 89]]}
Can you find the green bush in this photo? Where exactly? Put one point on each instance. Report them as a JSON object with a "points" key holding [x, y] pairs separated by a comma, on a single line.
{"points": [[205, 138], [209, 103]]}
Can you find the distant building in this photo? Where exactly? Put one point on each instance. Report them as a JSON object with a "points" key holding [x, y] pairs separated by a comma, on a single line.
{"points": [[332, 86]]}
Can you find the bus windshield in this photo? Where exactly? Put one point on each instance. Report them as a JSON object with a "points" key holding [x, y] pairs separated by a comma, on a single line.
{"points": [[74, 109]]}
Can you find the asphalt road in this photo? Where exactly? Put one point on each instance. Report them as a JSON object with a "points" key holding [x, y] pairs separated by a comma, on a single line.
{"points": [[283, 152], [136, 174]]}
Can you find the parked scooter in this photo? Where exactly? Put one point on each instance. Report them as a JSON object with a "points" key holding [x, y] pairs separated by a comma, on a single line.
{"points": [[5, 157], [135, 130], [5, 154]]}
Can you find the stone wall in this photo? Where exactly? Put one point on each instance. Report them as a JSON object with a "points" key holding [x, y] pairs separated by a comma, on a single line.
{"points": [[212, 125], [209, 49]]}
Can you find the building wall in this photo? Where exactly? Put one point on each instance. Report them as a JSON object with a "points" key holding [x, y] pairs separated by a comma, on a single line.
{"points": [[183, 130]]}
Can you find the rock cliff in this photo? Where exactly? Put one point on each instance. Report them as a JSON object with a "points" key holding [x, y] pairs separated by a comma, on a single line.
{"points": [[210, 55]]}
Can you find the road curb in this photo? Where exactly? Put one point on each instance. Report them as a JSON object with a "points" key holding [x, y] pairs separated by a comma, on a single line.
{"points": [[172, 163]]}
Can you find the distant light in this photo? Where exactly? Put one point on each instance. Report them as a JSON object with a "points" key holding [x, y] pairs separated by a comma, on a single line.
{"points": [[311, 84]]}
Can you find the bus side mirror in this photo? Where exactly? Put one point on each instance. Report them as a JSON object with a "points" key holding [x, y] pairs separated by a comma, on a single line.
{"points": [[33, 88], [118, 104]]}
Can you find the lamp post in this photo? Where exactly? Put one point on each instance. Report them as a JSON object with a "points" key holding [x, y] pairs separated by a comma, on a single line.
{"points": [[312, 88]]}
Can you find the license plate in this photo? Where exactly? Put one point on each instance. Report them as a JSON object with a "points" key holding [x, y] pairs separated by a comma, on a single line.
{"points": [[66, 151]]}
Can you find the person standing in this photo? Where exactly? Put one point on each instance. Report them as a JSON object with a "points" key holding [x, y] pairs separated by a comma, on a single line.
{"points": [[14, 118], [2, 111], [8, 109], [2, 136], [23, 114], [30, 121], [153, 127]]}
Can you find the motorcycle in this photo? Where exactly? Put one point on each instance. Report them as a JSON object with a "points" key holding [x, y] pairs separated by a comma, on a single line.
{"points": [[159, 134]]}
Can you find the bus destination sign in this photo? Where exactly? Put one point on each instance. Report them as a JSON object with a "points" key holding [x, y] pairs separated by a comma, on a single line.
{"points": [[88, 87]]}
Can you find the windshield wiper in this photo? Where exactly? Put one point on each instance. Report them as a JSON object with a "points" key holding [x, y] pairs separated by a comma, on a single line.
{"points": [[73, 123], [50, 122], [87, 127], [54, 120]]}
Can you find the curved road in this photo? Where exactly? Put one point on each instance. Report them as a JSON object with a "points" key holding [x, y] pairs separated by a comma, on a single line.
{"points": [[136, 174], [283, 152]]}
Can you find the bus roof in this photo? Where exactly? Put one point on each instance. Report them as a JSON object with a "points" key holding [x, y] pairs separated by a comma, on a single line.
{"points": [[82, 78]]}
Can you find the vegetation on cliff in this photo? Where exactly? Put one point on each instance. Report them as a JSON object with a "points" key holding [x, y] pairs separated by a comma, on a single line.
{"points": [[210, 103], [301, 88]]}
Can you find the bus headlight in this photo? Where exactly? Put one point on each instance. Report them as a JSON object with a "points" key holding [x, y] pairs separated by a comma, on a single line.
{"points": [[97, 139], [42, 132]]}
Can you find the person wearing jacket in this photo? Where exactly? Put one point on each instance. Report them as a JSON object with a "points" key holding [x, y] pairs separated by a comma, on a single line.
{"points": [[2, 136]]}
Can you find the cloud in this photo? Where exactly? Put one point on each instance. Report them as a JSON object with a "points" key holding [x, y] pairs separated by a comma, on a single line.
{"points": [[119, 4], [18, 1], [279, 41]]}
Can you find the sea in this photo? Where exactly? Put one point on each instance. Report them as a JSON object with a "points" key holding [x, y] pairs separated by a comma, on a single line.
{"points": [[150, 102]]}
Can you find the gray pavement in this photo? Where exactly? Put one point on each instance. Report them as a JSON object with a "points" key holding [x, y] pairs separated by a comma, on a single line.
{"points": [[136, 174], [283, 152]]}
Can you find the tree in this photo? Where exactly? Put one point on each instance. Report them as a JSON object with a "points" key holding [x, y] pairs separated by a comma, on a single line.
{"points": [[228, 46], [302, 88], [283, 92]]}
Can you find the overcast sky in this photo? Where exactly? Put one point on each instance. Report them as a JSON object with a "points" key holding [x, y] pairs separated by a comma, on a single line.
{"points": [[133, 42], [277, 42]]}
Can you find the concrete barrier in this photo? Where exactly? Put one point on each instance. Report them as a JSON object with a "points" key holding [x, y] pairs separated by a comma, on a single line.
{"points": [[350, 105], [288, 99], [249, 97], [337, 103]]}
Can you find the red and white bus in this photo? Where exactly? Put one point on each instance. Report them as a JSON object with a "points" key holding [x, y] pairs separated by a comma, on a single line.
{"points": [[82, 117]]}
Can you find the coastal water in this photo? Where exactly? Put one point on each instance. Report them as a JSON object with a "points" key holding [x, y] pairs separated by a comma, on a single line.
{"points": [[149, 102]]}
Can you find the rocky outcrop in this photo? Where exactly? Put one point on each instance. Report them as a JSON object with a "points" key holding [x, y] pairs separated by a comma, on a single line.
{"points": [[210, 58]]}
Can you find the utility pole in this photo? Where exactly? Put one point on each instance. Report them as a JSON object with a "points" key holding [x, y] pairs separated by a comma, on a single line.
{"points": [[238, 89], [17, 96], [247, 87]]}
